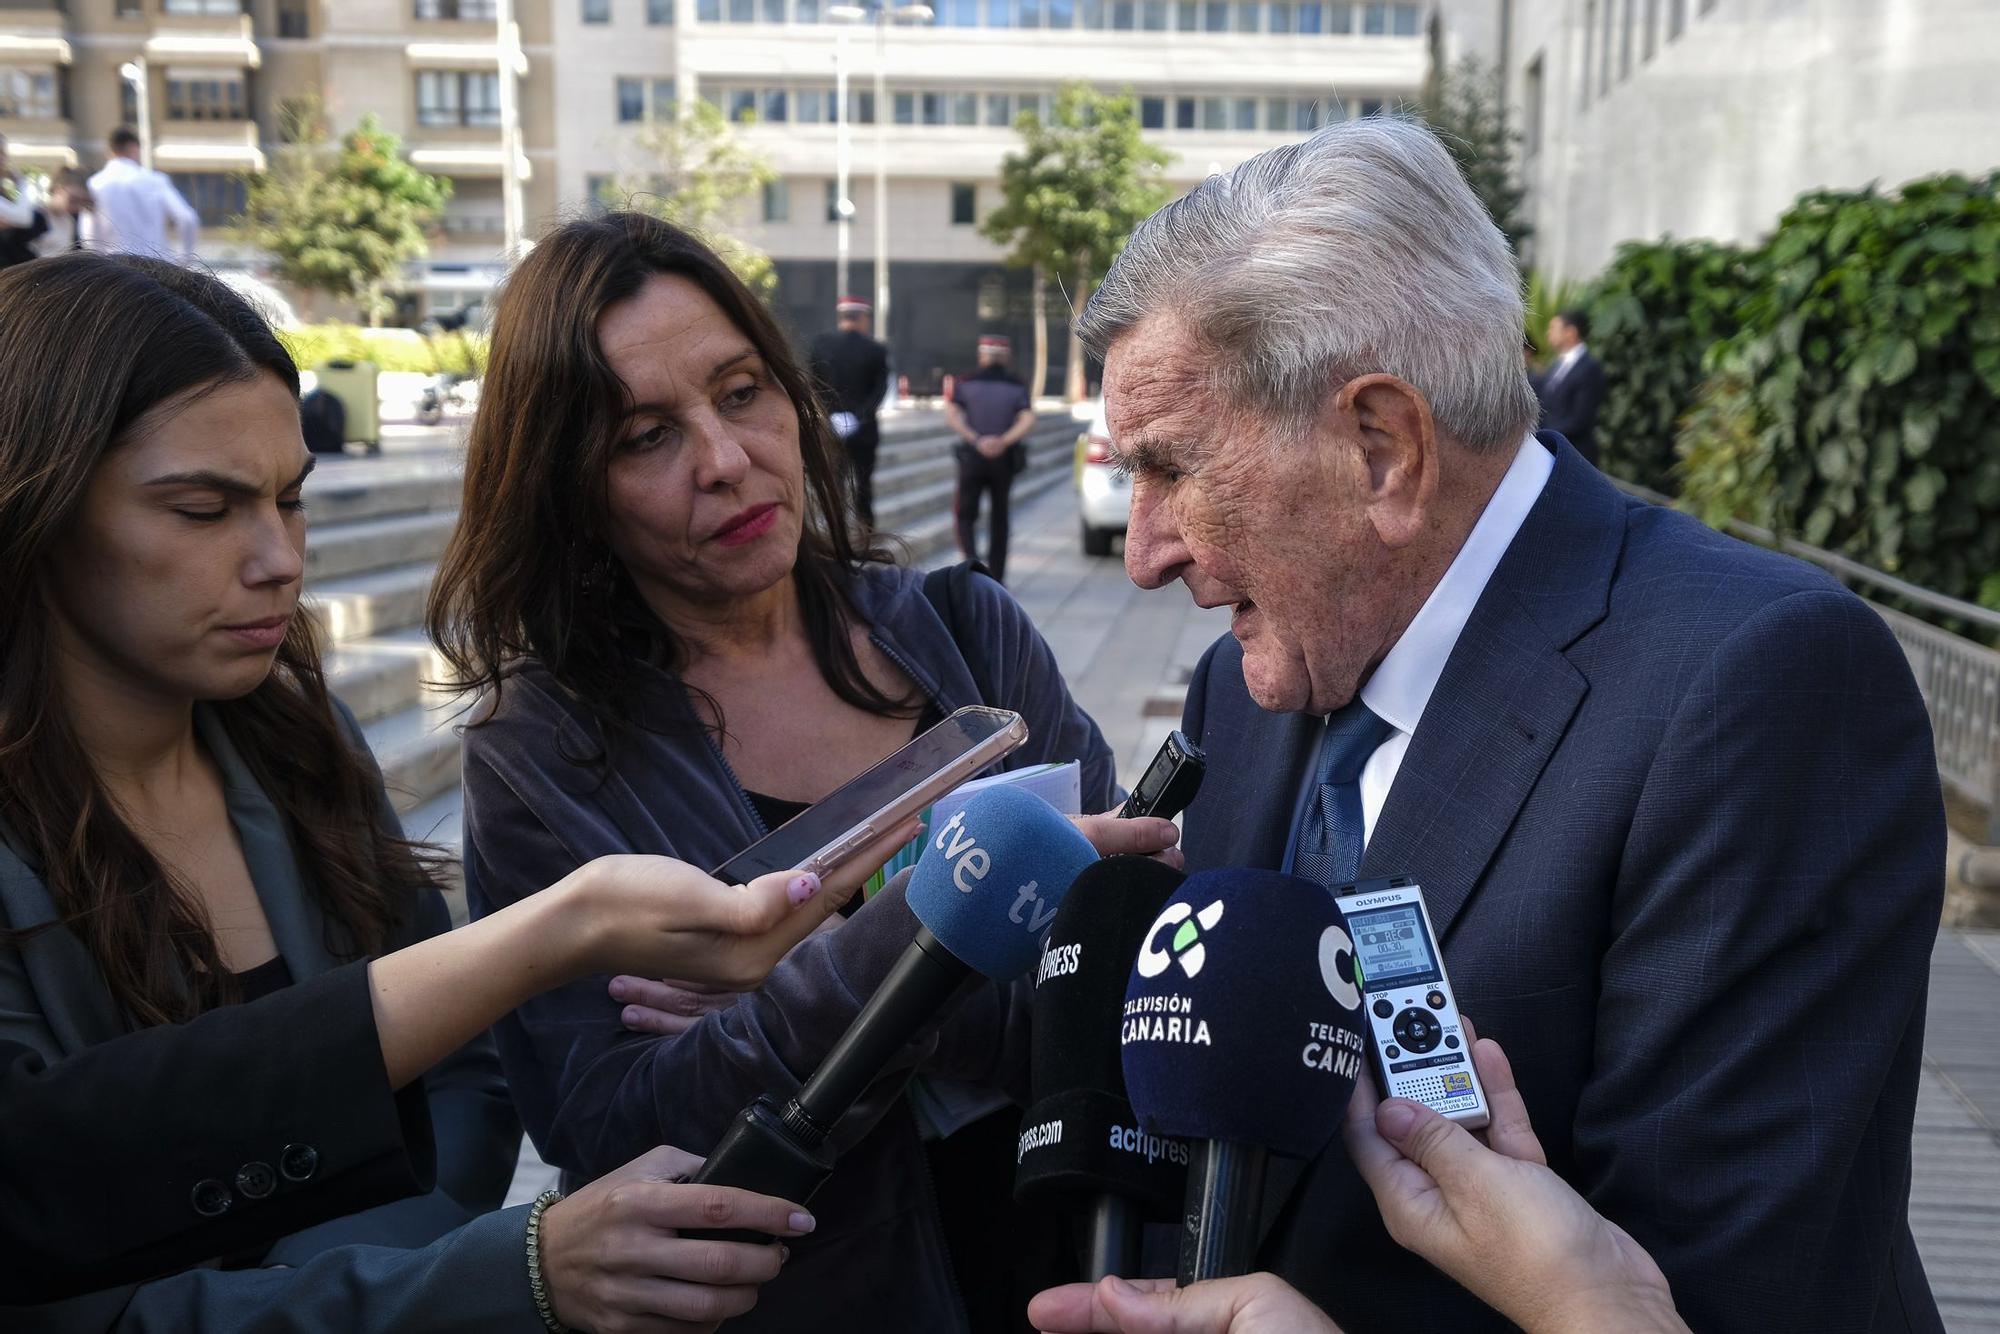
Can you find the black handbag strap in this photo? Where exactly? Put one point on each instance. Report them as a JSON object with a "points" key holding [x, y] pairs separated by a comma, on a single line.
{"points": [[945, 588]]}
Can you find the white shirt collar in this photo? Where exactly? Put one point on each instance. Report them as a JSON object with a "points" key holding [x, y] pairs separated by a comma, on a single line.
{"points": [[120, 166], [1401, 686], [1569, 358]]}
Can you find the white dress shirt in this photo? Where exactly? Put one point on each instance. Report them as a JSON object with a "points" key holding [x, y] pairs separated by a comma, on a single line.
{"points": [[1400, 687], [136, 209], [1565, 363]]}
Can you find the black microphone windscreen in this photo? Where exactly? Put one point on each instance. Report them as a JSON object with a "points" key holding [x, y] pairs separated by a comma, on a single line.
{"points": [[1079, 1137], [1241, 1020]]}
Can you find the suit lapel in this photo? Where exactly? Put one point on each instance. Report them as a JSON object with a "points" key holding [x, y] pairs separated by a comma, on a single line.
{"points": [[1501, 707]]}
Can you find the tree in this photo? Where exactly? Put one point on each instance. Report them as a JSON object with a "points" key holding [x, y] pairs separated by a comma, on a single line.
{"points": [[1466, 107], [698, 174], [344, 227], [1072, 196]]}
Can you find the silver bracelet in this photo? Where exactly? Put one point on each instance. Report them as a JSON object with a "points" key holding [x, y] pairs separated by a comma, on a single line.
{"points": [[537, 1287]]}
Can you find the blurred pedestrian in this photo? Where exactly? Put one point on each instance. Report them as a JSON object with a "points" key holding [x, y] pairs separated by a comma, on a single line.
{"points": [[22, 220], [1573, 390], [853, 369], [72, 215], [992, 413], [137, 207]]}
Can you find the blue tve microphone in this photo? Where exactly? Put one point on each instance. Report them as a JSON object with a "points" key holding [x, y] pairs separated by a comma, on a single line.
{"points": [[1242, 1033], [992, 874]]}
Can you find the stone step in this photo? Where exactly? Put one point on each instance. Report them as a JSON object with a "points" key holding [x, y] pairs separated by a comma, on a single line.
{"points": [[373, 602], [439, 821], [417, 749], [345, 489], [376, 544], [911, 504], [934, 539], [384, 675]]}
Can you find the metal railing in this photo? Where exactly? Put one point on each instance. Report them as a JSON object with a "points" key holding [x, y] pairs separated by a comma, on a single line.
{"points": [[1959, 678]]}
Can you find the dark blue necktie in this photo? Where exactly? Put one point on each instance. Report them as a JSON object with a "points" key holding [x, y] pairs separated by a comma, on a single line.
{"points": [[1329, 846]]}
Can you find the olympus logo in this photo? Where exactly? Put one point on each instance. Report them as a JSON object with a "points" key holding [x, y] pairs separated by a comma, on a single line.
{"points": [[1378, 899]]}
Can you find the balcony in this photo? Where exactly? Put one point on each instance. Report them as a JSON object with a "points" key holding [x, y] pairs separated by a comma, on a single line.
{"points": [[32, 34], [207, 146], [203, 39]]}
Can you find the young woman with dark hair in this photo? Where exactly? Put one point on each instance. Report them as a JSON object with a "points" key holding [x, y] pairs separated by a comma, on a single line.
{"points": [[681, 643], [189, 819]]}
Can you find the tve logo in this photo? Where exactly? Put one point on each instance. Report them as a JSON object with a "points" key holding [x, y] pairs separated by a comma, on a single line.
{"points": [[971, 864]]}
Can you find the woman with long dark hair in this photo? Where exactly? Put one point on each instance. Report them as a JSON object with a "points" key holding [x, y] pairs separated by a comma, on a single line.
{"points": [[682, 642], [189, 819]]}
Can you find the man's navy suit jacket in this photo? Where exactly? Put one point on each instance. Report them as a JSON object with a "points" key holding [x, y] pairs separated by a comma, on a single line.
{"points": [[1675, 810], [1571, 401]]}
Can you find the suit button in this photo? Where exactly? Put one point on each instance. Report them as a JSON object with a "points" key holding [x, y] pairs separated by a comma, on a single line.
{"points": [[298, 1162], [255, 1180], [210, 1198]]}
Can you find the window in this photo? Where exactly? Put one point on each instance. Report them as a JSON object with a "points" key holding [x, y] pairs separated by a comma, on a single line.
{"points": [[1625, 42], [1406, 21], [1677, 18], [1186, 12], [1092, 14], [1310, 17], [1215, 16], [742, 11], [999, 110], [1707, 5], [933, 104], [1184, 113], [1531, 107], [740, 104], [659, 13], [862, 108], [1374, 20], [777, 201], [1650, 35], [708, 11], [28, 94], [965, 108], [965, 13], [597, 11], [228, 7], [1340, 20], [1153, 15], [999, 13], [1245, 16], [456, 9], [905, 105], [219, 98], [1278, 114], [458, 97], [774, 11], [597, 195], [294, 19], [833, 201], [1152, 113], [1031, 13], [663, 99], [1124, 15], [1280, 12], [806, 11], [1243, 114], [631, 101], [777, 106], [1371, 106], [811, 105], [1062, 13], [964, 204], [216, 195], [1214, 113], [1309, 117]]}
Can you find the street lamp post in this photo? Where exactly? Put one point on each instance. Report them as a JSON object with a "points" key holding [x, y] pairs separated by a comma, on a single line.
{"points": [[883, 16], [134, 72], [511, 206], [843, 205]]}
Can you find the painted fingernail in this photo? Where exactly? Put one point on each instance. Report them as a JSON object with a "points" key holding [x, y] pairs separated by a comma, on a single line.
{"points": [[803, 887], [801, 1222]]}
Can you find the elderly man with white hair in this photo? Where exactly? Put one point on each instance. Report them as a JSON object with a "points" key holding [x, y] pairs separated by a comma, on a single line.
{"points": [[1672, 799]]}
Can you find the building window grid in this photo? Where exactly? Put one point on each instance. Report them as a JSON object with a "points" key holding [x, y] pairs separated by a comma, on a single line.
{"points": [[469, 98], [218, 99], [457, 9], [1276, 17], [28, 94], [217, 196], [964, 204], [596, 11], [928, 108]]}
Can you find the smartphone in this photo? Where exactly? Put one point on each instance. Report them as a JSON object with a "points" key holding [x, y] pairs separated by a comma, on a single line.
{"points": [[832, 830], [1170, 781]]}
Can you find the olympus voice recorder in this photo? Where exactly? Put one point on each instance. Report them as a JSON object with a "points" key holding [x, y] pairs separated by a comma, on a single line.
{"points": [[1414, 1035]]}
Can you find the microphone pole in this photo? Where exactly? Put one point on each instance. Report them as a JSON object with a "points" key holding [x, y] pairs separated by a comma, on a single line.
{"points": [[1224, 1202]]}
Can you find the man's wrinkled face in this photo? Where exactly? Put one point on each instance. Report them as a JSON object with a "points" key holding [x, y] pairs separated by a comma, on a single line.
{"points": [[1273, 523]]}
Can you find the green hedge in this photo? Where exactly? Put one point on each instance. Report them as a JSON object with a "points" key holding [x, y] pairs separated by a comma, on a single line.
{"points": [[1655, 312], [1858, 407], [389, 349]]}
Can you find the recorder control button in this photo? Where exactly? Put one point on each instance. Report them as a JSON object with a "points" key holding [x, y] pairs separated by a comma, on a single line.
{"points": [[1383, 1009], [1435, 1000], [1452, 1043], [1393, 1051], [1417, 1030]]}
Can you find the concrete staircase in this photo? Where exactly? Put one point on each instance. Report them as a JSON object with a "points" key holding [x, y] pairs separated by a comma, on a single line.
{"points": [[378, 526]]}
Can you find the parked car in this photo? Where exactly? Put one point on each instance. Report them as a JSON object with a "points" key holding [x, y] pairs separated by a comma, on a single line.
{"points": [[1104, 495]]}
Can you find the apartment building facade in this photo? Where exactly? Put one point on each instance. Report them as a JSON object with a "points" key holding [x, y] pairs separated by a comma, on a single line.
{"points": [[216, 74]]}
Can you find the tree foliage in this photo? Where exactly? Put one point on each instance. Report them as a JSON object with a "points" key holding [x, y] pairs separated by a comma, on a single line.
{"points": [[343, 224], [1071, 197], [1466, 107], [698, 174], [1858, 406], [1655, 312]]}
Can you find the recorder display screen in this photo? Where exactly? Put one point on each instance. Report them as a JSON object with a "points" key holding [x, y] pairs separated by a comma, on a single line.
{"points": [[1392, 947]]}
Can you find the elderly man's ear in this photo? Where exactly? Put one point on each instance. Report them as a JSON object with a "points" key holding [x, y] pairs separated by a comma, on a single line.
{"points": [[1390, 423]]}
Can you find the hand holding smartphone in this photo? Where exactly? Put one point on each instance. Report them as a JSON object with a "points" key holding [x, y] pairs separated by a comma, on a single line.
{"points": [[832, 831]]}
